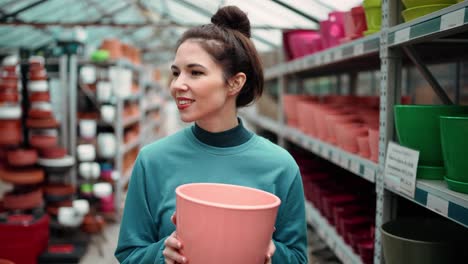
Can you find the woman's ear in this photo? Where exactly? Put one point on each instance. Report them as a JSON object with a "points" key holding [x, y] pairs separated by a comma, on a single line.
{"points": [[236, 83]]}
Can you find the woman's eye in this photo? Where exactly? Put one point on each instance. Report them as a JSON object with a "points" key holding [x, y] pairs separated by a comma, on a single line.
{"points": [[175, 74], [197, 73]]}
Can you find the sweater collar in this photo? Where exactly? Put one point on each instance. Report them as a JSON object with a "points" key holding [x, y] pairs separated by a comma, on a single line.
{"points": [[233, 137]]}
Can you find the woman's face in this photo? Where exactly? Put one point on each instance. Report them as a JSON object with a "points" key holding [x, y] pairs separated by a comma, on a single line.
{"points": [[198, 86]]}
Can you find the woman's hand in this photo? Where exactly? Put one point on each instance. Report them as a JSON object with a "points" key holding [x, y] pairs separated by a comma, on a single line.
{"points": [[172, 248], [270, 252]]}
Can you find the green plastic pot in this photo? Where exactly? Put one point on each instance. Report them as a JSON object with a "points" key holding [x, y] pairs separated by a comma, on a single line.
{"points": [[373, 17], [454, 132], [100, 56], [415, 12], [417, 3], [423, 241], [372, 3], [418, 128]]}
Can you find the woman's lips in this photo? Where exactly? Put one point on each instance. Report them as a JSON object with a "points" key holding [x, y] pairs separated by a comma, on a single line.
{"points": [[183, 103]]}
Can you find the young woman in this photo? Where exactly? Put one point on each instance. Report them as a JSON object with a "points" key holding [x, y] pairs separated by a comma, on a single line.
{"points": [[216, 70]]}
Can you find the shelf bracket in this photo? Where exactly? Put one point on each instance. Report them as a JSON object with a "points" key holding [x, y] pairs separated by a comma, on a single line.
{"points": [[414, 57]]}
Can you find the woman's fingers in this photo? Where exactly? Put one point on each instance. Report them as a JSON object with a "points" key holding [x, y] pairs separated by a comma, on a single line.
{"points": [[270, 252], [174, 218], [171, 250]]}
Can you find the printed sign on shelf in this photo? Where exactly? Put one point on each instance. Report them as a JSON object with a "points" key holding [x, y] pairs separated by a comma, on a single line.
{"points": [[402, 163]]}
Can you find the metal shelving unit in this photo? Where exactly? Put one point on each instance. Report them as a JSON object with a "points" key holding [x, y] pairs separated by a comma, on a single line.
{"points": [[329, 235], [349, 161], [434, 38]]}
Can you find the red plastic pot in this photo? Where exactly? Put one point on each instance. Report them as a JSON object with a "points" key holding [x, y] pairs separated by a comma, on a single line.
{"points": [[8, 86], [22, 157], [92, 224], [59, 189]]}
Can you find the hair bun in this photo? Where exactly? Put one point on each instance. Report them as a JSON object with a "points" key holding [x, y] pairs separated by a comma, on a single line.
{"points": [[233, 18]]}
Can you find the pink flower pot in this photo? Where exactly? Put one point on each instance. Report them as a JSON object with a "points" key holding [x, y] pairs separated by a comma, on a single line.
{"points": [[374, 144], [222, 223]]}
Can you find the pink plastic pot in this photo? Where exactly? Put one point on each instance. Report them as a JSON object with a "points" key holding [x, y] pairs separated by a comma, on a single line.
{"points": [[363, 147], [290, 102], [374, 144], [222, 223], [298, 43], [305, 109], [332, 30]]}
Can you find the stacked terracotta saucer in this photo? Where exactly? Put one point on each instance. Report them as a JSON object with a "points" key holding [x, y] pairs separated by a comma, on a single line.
{"points": [[18, 164]]}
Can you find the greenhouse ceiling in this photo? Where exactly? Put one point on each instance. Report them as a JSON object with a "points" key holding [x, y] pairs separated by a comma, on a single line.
{"points": [[151, 25]]}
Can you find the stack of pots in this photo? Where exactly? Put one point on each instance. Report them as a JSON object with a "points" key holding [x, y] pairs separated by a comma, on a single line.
{"points": [[411, 120], [418, 8], [24, 203], [18, 164], [349, 212], [44, 139], [373, 11]]}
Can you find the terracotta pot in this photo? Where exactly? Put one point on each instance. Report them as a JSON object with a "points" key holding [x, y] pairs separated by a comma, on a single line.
{"points": [[43, 141], [22, 157], [9, 97], [42, 123], [92, 224], [59, 189], [23, 200], [53, 153], [8, 86], [39, 97], [114, 47], [22, 176], [10, 132]]}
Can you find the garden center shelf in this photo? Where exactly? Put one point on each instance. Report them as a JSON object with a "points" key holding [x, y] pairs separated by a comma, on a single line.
{"points": [[359, 54], [329, 235], [348, 161], [446, 22], [434, 195]]}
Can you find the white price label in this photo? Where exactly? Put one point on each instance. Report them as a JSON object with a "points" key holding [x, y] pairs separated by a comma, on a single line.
{"points": [[338, 54], [437, 204], [324, 152], [344, 162], [358, 49], [326, 58], [316, 148], [391, 182], [402, 35], [369, 174], [336, 157], [453, 19], [355, 167], [402, 163]]}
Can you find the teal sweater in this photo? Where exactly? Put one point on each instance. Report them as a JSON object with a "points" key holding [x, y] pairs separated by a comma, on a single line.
{"points": [[194, 155]]}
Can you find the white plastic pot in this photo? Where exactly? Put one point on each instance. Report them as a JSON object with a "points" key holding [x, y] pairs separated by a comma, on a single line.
{"points": [[86, 152], [102, 189], [81, 206], [69, 217], [108, 113], [104, 91], [88, 74], [95, 170], [10, 112], [85, 170], [107, 145], [46, 106], [38, 86], [88, 128]]}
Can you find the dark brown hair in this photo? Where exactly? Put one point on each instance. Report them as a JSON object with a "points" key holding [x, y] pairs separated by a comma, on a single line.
{"points": [[227, 40]]}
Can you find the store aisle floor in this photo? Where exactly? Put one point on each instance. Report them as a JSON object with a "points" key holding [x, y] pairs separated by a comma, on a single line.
{"points": [[92, 255]]}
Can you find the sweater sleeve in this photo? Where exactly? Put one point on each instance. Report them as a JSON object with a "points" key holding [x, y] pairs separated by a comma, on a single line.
{"points": [[290, 237], [138, 238]]}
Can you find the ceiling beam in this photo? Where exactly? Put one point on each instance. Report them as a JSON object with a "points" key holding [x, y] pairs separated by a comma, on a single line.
{"points": [[209, 14], [17, 12], [297, 11], [118, 25]]}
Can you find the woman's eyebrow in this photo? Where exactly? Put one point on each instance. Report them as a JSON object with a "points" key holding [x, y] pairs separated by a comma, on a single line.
{"points": [[192, 65]]}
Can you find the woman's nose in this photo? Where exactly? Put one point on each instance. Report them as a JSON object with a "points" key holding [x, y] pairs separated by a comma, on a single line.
{"points": [[179, 84]]}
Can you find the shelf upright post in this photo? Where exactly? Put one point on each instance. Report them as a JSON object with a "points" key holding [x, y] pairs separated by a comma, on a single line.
{"points": [[73, 98], [118, 130], [390, 87], [282, 84], [63, 70]]}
